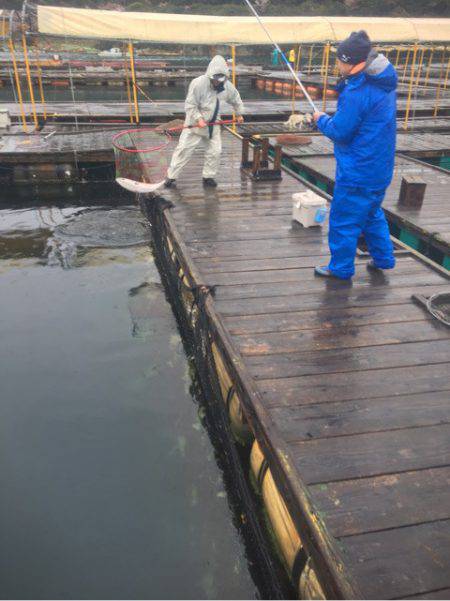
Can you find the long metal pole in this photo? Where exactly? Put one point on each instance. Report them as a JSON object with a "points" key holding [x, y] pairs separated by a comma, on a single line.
{"points": [[325, 80], [41, 87], [411, 83], [133, 79], [294, 75], [127, 83], [233, 79], [30, 83], [19, 89]]}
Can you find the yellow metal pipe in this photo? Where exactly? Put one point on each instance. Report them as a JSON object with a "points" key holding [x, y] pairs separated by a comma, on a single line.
{"points": [[127, 84], [438, 91], [325, 82], [446, 74], [41, 87], [310, 58], [419, 70], [294, 85], [410, 88], [430, 60], [30, 83], [406, 64], [323, 60], [133, 79], [397, 58], [19, 89], [233, 78]]}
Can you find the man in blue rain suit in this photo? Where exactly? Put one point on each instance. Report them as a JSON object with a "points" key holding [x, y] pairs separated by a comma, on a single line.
{"points": [[363, 130]]}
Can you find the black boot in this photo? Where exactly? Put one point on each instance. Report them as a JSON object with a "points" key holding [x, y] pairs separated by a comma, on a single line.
{"points": [[170, 183], [209, 181]]}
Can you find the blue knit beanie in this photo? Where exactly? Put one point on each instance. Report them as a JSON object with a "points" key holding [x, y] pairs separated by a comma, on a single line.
{"points": [[355, 49]]}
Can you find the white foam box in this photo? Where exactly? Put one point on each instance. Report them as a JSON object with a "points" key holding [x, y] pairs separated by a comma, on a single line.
{"points": [[5, 120], [308, 208]]}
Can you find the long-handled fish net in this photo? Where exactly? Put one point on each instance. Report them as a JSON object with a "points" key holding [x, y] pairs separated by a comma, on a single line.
{"points": [[142, 156], [142, 159]]}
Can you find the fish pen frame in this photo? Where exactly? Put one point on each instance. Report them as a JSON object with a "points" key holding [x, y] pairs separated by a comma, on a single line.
{"points": [[311, 555]]}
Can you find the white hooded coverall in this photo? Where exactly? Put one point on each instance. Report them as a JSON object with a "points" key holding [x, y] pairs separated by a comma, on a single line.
{"points": [[201, 104]]}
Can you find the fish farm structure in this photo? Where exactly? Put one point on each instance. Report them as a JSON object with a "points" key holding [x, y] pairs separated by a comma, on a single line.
{"points": [[336, 393]]}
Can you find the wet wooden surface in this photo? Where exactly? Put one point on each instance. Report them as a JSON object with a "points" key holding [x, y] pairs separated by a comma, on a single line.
{"points": [[432, 220], [55, 146], [356, 377], [171, 109], [413, 143]]}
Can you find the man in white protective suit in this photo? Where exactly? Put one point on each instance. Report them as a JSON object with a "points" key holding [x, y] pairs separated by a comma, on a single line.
{"points": [[203, 103]]}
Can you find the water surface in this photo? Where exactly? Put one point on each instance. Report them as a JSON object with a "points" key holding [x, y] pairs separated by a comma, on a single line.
{"points": [[110, 487]]}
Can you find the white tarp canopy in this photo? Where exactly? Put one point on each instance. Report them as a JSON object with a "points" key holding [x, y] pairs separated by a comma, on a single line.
{"points": [[205, 29]]}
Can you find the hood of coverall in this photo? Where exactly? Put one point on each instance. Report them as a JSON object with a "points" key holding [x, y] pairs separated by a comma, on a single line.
{"points": [[217, 65]]}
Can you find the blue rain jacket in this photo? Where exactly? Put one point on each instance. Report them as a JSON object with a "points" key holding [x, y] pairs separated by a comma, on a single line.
{"points": [[364, 127]]}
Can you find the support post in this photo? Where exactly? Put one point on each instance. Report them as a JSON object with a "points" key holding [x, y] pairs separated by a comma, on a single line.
{"points": [[256, 160], [297, 68], [277, 158], [41, 87], [233, 79], [310, 58], [430, 60], [438, 91], [446, 74], [133, 79], [406, 64], [19, 89], [30, 83], [127, 84], [419, 69], [325, 82], [410, 87], [245, 152]]}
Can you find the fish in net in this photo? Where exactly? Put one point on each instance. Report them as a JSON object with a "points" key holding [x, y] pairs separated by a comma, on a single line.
{"points": [[142, 159]]}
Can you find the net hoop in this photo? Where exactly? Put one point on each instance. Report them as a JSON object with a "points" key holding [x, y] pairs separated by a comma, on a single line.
{"points": [[152, 130]]}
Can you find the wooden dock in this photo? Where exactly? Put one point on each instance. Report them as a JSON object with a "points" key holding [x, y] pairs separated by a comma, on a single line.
{"points": [[426, 229], [53, 145], [345, 385], [416, 144], [254, 109]]}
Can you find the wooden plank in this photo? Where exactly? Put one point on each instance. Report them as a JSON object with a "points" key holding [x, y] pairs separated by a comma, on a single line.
{"points": [[369, 504], [372, 454], [356, 385], [307, 422], [403, 561], [310, 300], [323, 318], [339, 337]]}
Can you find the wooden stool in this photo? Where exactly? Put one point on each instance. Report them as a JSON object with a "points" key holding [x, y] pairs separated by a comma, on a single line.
{"points": [[258, 167]]}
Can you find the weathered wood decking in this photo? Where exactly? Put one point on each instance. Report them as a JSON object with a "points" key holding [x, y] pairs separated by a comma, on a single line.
{"points": [[253, 109], [354, 376], [417, 144], [430, 224], [93, 145]]}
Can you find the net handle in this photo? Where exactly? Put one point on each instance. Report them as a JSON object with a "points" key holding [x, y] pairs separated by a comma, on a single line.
{"points": [[166, 132]]}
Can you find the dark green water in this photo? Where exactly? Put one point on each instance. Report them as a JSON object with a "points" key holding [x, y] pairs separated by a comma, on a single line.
{"points": [[110, 486], [119, 93]]}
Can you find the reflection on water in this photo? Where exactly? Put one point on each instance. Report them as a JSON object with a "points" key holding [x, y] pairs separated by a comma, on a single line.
{"points": [[110, 488], [119, 93]]}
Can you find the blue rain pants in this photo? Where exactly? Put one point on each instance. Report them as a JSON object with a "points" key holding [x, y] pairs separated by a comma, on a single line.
{"points": [[356, 211]]}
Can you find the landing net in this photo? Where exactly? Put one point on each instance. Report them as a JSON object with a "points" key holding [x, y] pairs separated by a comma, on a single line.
{"points": [[142, 159]]}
